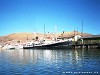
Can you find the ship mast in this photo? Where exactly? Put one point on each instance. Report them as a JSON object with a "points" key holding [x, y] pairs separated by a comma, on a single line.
{"points": [[82, 29], [55, 33], [44, 31], [27, 37], [77, 30]]}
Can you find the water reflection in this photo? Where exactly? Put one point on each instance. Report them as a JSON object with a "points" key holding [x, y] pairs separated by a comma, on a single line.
{"points": [[43, 62]]}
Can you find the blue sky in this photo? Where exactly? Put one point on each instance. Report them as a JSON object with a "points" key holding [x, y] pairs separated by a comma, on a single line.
{"points": [[31, 15]]}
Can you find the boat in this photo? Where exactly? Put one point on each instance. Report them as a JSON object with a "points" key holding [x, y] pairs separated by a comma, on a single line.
{"points": [[12, 46], [52, 45], [28, 45], [48, 42], [18, 46], [48, 45], [8, 46]]}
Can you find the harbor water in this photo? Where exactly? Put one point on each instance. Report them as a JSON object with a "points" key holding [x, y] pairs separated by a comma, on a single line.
{"points": [[49, 62]]}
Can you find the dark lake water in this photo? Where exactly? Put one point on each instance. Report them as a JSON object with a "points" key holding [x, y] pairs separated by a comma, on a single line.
{"points": [[49, 62]]}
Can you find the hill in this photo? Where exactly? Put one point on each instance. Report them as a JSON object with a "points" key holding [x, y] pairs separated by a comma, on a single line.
{"points": [[31, 36]]}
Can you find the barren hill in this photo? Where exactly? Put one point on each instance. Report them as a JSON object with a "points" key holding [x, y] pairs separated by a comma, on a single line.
{"points": [[31, 36], [73, 33]]}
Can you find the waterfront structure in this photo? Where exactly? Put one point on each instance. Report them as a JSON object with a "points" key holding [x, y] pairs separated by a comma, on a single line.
{"points": [[92, 41]]}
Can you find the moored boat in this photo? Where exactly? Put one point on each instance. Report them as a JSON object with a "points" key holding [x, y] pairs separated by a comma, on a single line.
{"points": [[50, 45], [8, 46]]}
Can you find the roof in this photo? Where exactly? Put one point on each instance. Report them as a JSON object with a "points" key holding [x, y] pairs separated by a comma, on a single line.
{"points": [[91, 37]]}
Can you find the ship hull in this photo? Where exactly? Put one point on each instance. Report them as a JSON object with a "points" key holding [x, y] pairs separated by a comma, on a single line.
{"points": [[57, 45]]}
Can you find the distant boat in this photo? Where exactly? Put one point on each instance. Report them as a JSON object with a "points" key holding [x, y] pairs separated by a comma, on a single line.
{"points": [[18, 46], [8, 46], [12, 46]]}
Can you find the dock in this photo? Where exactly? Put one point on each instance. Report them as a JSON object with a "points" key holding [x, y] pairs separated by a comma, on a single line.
{"points": [[87, 42]]}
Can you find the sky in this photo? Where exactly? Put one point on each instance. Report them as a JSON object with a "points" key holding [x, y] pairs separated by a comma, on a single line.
{"points": [[66, 15]]}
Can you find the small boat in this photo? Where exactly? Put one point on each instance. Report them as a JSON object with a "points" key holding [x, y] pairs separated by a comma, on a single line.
{"points": [[12, 46], [8, 46], [28, 45], [19, 46]]}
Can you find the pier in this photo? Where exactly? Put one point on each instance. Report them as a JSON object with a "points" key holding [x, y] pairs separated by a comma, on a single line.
{"points": [[87, 42]]}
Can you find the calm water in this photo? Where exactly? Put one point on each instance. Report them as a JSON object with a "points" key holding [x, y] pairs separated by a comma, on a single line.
{"points": [[49, 62]]}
